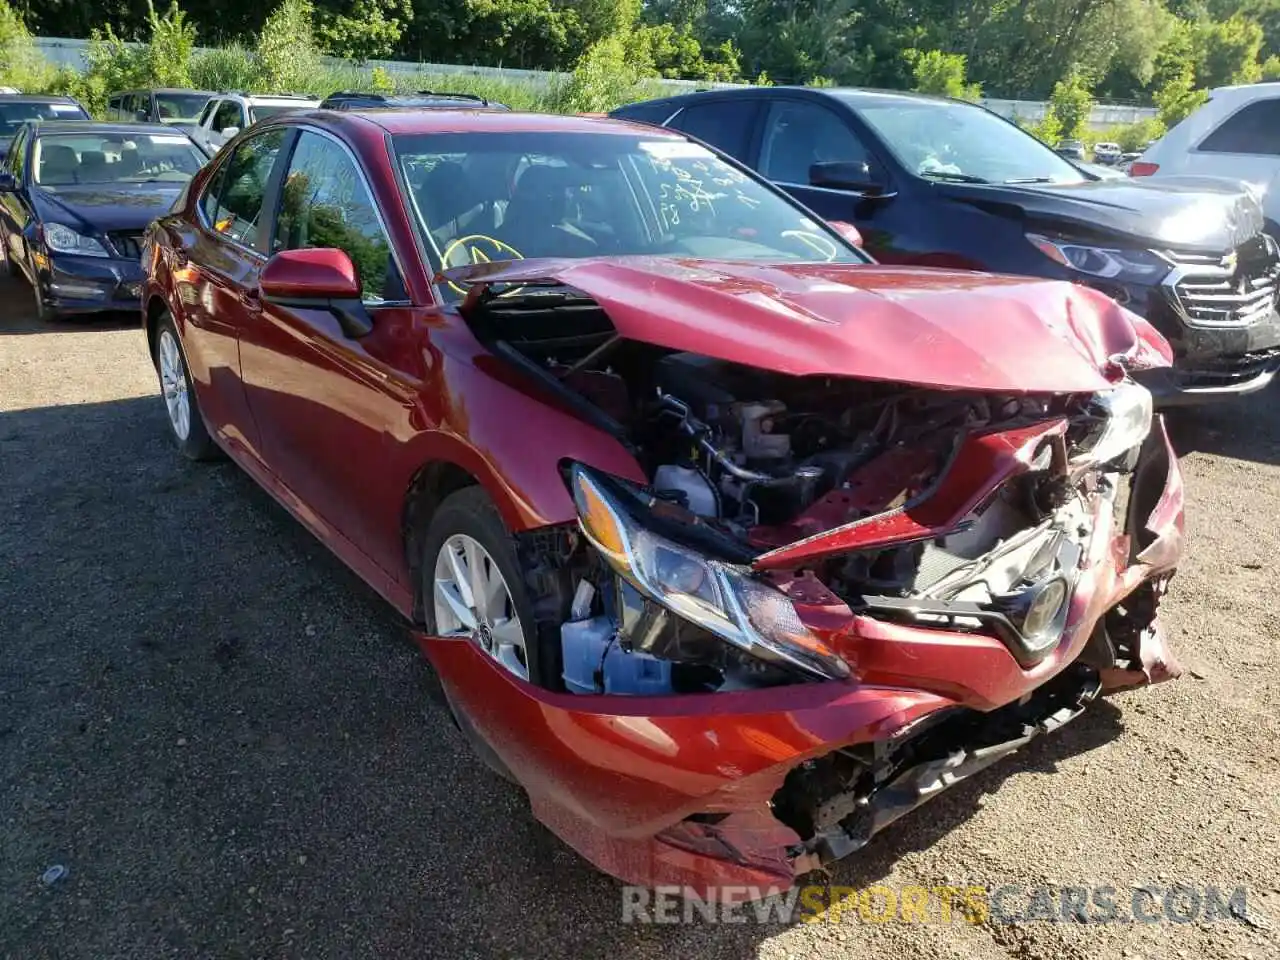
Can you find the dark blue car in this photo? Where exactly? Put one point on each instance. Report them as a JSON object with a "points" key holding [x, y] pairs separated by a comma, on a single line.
{"points": [[75, 198], [941, 183]]}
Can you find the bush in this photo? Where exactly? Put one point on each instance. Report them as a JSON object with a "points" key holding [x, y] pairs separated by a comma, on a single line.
{"points": [[1071, 103], [169, 48], [286, 52], [21, 65], [606, 76], [225, 68], [942, 73]]}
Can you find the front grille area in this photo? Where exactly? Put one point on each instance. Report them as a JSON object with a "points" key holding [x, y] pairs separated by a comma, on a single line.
{"points": [[128, 244], [1231, 371], [1217, 292]]}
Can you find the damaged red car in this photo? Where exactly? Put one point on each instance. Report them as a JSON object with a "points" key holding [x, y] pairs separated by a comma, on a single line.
{"points": [[727, 544]]}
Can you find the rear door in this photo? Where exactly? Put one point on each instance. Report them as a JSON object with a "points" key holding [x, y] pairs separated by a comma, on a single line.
{"points": [[217, 288], [1245, 146], [727, 124], [328, 406]]}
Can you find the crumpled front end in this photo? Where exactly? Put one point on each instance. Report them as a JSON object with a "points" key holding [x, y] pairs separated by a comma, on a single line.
{"points": [[830, 599]]}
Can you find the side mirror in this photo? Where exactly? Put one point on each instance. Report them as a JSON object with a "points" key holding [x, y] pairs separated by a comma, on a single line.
{"points": [[321, 278], [7, 183], [852, 175], [229, 132], [847, 230]]}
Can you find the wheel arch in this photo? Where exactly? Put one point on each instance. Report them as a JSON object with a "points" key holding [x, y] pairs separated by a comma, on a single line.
{"points": [[434, 481], [156, 308]]}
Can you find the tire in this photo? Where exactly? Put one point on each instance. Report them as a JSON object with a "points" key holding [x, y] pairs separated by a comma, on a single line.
{"points": [[469, 513], [43, 313], [187, 426]]}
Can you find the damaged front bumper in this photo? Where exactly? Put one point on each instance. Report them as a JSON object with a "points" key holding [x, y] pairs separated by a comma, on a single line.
{"points": [[722, 793]]}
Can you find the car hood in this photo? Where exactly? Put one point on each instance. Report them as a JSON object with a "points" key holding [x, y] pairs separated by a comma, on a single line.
{"points": [[1204, 214], [936, 328], [105, 207]]}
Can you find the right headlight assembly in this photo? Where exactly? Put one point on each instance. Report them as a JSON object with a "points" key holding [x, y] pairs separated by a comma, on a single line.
{"points": [[723, 599], [1126, 412]]}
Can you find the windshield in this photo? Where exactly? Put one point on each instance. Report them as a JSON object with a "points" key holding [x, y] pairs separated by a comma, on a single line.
{"points": [[62, 160], [180, 107], [510, 196], [261, 111], [945, 140], [14, 114]]}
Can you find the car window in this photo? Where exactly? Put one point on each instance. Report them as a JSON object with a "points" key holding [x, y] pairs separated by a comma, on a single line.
{"points": [[228, 115], [650, 111], [506, 196], [209, 109], [1253, 129], [950, 140], [180, 107], [64, 159], [17, 151], [14, 113], [113, 108], [261, 111], [235, 211], [798, 135], [324, 203], [725, 124]]}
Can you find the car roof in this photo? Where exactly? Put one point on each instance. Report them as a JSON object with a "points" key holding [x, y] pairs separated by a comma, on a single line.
{"points": [[480, 120], [37, 98], [851, 95], [202, 93], [46, 127]]}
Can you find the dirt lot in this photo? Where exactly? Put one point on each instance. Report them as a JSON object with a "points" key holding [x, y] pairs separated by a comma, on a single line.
{"points": [[227, 741]]}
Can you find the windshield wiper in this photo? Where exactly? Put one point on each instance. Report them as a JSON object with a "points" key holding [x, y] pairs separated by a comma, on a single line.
{"points": [[1031, 180], [957, 177]]}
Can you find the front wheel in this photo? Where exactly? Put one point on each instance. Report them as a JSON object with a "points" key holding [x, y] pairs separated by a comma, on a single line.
{"points": [[185, 420]]}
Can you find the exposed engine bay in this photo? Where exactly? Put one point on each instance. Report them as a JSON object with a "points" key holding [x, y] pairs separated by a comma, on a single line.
{"points": [[746, 466]]}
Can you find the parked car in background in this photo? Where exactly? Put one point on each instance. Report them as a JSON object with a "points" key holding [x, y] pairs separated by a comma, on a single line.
{"points": [[422, 100], [938, 182], [1106, 153], [157, 106], [1071, 149], [625, 431], [17, 108], [75, 198], [1235, 134], [226, 114]]}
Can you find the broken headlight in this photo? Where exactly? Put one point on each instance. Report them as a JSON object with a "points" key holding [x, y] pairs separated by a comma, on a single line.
{"points": [[723, 599], [1125, 413]]}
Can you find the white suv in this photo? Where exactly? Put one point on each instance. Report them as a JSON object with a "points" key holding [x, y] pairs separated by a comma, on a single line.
{"points": [[1236, 134], [227, 114]]}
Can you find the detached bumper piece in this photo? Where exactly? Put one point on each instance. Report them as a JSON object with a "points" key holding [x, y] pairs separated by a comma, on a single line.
{"points": [[840, 801]]}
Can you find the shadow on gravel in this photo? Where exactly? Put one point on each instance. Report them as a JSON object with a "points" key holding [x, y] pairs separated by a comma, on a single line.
{"points": [[18, 314], [229, 741], [1245, 429]]}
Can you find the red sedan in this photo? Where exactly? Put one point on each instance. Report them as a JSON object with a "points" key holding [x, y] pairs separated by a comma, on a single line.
{"points": [[729, 545]]}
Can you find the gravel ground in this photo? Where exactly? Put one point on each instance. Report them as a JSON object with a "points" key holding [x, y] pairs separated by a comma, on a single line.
{"points": [[227, 741]]}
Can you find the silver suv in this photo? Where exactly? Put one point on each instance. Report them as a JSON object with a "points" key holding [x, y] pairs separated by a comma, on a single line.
{"points": [[226, 114]]}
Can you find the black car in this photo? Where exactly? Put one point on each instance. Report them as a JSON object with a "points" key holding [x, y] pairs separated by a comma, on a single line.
{"points": [[937, 182], [17, 108], [75, 199], [162, 105], [422, 100]]}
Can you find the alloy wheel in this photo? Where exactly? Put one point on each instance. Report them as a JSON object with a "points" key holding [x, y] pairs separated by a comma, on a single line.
{"points": [[173, 383], [471, 599]]}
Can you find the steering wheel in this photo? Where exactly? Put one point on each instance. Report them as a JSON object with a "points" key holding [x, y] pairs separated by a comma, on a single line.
{"points": [[473, 249]]}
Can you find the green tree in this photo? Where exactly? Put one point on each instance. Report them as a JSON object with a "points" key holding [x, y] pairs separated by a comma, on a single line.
{"points": [[286, 51], [371, 30], [1227, 52], [1071, 102], [169, 47], [941, 73], [21, 65]]}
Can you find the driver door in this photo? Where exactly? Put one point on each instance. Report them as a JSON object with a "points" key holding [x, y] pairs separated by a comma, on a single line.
{"points": [[329, 406]]}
